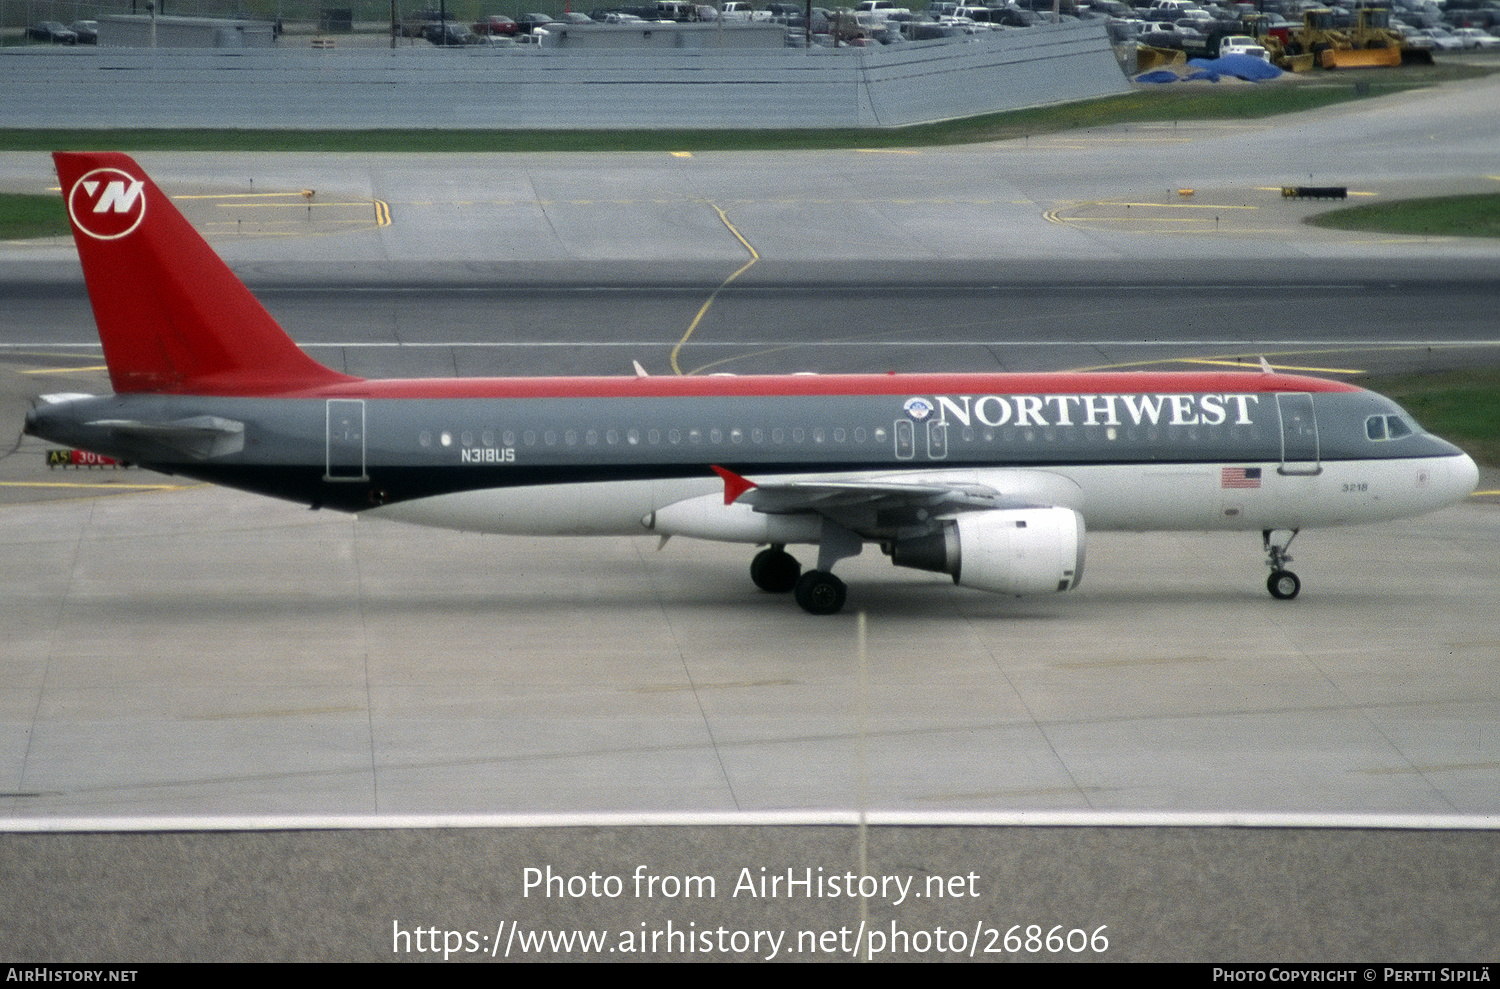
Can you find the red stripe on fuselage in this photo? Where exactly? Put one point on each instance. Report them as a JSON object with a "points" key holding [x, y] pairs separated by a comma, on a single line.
{"points": [[1063, 383]]}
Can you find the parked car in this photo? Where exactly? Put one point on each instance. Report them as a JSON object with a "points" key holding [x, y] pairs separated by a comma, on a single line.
{"points": [[1473, 37], [51, 31], [1443, 40], [450, 34], [496, 24], [417, 23], [1415, 38], [87, 31], [530, 22]]}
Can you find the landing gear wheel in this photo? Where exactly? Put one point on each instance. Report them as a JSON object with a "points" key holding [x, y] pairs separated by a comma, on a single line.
{"points": [[820, 593], [774, 570], [1283, 585]]}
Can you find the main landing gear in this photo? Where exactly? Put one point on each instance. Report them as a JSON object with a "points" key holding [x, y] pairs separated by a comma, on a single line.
{"points": [[818, 592], [1283, 584], [774, 570]]}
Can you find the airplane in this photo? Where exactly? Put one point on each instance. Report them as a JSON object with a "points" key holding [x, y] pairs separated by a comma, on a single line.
{"points": [[992, 479]]}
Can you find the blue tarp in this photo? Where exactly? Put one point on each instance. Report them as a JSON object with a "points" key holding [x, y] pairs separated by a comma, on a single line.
{"points": [[1246, 67], [1240, 66]]}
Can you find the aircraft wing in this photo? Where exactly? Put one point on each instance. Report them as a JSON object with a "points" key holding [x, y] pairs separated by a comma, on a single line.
{"points": [[780, 498], [917, 499]]}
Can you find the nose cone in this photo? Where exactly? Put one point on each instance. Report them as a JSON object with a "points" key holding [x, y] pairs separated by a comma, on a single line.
{"points": [[1463, 476]]}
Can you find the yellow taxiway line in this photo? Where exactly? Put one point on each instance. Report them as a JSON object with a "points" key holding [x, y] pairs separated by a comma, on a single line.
{"points": [[703, 310]]}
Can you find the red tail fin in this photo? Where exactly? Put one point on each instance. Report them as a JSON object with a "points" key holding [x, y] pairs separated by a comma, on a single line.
{"points": [[172, 317]]}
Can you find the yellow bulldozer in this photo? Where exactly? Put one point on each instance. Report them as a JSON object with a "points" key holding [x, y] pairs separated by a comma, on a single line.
{"points": [[1373, 42], [1369, 42]]}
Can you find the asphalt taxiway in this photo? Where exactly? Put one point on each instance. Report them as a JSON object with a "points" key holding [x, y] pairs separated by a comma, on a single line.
{"points": [[183, 657]]}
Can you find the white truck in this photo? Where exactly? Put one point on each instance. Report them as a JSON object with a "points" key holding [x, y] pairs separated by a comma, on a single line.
{"points": [[878, 8], [740, 10]]}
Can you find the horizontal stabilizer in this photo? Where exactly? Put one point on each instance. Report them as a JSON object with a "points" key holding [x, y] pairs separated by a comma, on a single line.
{"points": [[200, 437]]}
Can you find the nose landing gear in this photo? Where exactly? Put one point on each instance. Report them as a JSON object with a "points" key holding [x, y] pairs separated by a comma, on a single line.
{"points": [[1283, 584]]}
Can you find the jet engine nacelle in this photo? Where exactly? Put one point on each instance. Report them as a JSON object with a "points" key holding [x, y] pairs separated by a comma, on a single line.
{"points": [[1008, 551]]}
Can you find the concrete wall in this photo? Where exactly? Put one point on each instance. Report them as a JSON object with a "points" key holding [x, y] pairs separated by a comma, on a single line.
{"points": [[655, 36], [136, 31], [533, 88]]}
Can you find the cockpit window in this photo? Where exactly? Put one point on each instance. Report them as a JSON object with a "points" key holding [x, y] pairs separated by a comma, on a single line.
{"points": [[1387, 428]]}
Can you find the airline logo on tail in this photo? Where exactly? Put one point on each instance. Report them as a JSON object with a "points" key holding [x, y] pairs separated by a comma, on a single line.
{"points": [[107, 204]]}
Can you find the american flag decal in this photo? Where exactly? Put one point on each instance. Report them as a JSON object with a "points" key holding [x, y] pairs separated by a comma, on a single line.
{"points": [[1240, 477]]}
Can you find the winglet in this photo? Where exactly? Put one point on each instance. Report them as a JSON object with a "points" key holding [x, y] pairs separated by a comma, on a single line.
{"points": [[1265, 366], [640, 372], [734, 485]]}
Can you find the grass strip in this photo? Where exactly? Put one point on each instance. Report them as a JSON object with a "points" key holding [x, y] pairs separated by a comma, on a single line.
{"points": [[1446, 216], [1463, 407], [23, 217]]}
